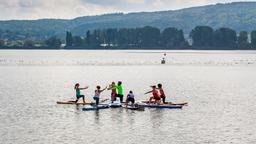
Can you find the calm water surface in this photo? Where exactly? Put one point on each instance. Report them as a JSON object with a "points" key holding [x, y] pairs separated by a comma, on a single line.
{"points": [[219, 86]]}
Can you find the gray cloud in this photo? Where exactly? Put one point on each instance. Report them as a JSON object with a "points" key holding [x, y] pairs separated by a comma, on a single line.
{"points": [[121, 5], [34, 9], [149, 5], [30, 3]]}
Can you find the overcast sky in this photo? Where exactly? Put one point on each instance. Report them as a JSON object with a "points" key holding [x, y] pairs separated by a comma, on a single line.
{"points": [[36, 9]]}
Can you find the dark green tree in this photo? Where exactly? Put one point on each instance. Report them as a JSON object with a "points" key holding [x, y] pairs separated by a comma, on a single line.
{"points": [[225, 38], [102, 36], [53, 42], [148, 36], [69, 39], [172, 38], [2, 43], [95, 39], [253, 39], [111, 36], [122, 38], [88, 38], [243, 40], [78, 41], [202, 36], [127, 37]]}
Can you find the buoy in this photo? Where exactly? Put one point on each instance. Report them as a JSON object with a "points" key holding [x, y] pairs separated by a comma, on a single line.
{"points": [[163, 61]]}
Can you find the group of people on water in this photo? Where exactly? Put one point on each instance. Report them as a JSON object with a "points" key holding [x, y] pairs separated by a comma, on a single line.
{"points": [[117, 91]]}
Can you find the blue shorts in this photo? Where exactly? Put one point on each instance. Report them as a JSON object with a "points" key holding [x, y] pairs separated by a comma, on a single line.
{"points": [[97, 100]]}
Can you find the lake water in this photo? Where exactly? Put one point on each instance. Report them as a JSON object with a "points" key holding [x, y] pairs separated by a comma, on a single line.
{"points": [[219, 86]]}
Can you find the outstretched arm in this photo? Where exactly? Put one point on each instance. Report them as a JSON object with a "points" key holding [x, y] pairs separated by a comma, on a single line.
{"points": [[110, 87], [84, 88], [148, 92], [103, 89]]}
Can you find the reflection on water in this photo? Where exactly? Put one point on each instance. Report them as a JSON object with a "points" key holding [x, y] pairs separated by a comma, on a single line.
{"points": [[97, 115], [221, 101]]}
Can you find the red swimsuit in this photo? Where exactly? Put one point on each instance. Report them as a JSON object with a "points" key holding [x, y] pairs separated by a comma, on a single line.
{"points": [[156, 95]]}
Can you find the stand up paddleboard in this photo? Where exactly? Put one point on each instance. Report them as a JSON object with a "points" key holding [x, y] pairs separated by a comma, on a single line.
{"points": [[74, 103], [161, 106], [88, 108], [168, 103], [115, 105], [139, 108]]}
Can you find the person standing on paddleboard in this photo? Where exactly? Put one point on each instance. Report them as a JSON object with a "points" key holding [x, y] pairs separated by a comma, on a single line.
{"points": [[78, 93], [155, 96], [97, 94], [112, 87], [161, 91], [120, 91]]}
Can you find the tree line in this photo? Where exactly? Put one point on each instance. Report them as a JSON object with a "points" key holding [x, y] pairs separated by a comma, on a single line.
{"points": [[147, 37], [222, 38], [201, 37]]}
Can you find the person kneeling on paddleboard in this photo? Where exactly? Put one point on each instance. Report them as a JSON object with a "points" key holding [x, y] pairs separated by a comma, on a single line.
{"points": [[161, 91], [130, 98], [155, 96], [97, 94], [78, 93]]}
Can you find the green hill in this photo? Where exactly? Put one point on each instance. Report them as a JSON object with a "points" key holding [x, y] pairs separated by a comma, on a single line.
{"points": [[238, 16]]}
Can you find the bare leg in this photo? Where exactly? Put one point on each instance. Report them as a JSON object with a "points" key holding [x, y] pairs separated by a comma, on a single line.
{"points": [[126, 102], [83, 98], [150, 100], [113, 97]]}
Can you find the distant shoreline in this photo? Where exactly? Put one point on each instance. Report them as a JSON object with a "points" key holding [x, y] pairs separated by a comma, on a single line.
{"points": [[129, 49]]}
